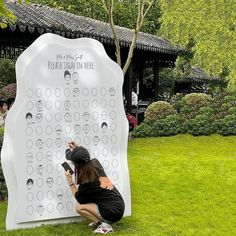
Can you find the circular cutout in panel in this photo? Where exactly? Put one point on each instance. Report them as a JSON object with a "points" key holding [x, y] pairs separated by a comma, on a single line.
{"points": [[30, 197], [39, 117], [48, 92], [29, 170], [50, 208], [113, 127], [30, 105], [86, 140], [58, 129], [39, 130], [60, 194], [38, 92], [29, 93], [95, 115], [39, 143], [59, 155], [50, 195], [94, 103], [114, 139], [94, 92], [49, 142], [29, 143], [76, 116], [29, 131], [59, 168], [39, 156], [77, 129], [105, 164], [103, 91], [48, 130], [49, 168], [59, 180], [112, 103], [48, 117], [112, 91], [49, 155], [68, 193], [113, 115], [76, 104], [78, 140], [57, 92], [103, 103], [86, 116], [105, 139], [67, 105], [67, 129], [95, 128], [85, 104], [58, 104], [67, 92], [30, 210], [114, 151], [58, 117], [96, 152], [86, 128], [85, 92], [39, 182], [105, 152], [69, 206], [48, 105], [40, 195], [67, 140], [115, 176], [114, 163]]}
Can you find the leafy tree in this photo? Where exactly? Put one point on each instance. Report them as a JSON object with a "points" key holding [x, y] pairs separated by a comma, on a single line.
{"points": [[7, 72], [212, 26]]}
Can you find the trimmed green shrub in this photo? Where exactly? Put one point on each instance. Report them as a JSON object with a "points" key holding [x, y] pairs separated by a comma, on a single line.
{"points": [[142, 130], [200, 125], [158, 110], [171, 125], [176, 101], [226, 126]]}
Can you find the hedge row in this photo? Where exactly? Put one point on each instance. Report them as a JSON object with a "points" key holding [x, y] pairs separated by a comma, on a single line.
{"points": [[196, 114]]}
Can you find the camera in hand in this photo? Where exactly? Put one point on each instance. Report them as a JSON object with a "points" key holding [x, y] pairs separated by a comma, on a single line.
{"points": [[67, 167]]}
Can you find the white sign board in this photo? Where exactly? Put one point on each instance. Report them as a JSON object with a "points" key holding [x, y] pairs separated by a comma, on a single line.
{"points": [[67, 89]]}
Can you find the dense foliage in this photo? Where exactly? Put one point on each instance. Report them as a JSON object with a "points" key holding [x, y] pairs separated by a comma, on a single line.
{"points": [[196, 114]]}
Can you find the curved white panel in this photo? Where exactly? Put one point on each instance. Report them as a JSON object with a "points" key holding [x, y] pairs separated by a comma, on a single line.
{"points": [[67, 89]]}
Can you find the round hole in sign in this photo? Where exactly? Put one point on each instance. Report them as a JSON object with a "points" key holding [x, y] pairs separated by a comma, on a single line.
{"points": [[113, 126], [29, 93], [29, 131], [58, 155], [29, 105], [48, 92], [48, 117], [76, 104], [96, 152], [105, 164], [49, 142], [30, 210], [59, 180], [114, 139], [112, 103], [39, 130], [50, 195], [95, 115], [94, 103], [94, 91], [30, 197], [85, 92], [58, 104], [104, 139], [50, 208], [95, 128], [68, 193], [48, 105], [29, 170], [29, 144], [39, 156], [49, 130], [104, 115], [105, 152], [59, 168], [58, 117], [38, 92], [103, 103], [115, 176], [85, 104], [40, 195], [76, 116], [114, 151], [113, 115], [67, 129], [69, 206], [86, 140], [39, 182], [114, 163], [58, 142], [57, 92], [49, 156], [67, 140], [103, 91], [49, 168], [78, 140], [67, 92]]}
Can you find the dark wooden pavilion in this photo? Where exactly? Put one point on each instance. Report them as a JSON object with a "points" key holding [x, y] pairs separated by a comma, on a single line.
{"points": [[34, 20]]}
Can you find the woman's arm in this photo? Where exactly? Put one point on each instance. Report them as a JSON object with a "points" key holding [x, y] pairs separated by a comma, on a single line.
{"points": [[71, 183]]}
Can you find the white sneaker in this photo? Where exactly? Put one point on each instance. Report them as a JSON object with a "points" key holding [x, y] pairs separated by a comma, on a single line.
{"points": [[103, 228]]}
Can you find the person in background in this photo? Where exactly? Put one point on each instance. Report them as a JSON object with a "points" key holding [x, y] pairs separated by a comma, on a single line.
{"points": [[98, 200], [134, 101], [3, 112]]}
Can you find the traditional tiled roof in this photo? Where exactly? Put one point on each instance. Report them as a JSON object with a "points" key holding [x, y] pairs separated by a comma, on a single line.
{"points": [[198, 74], [35, 17]]}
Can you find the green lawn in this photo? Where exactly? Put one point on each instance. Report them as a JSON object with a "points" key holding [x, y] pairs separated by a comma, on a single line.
{"points": [[181, 185]]}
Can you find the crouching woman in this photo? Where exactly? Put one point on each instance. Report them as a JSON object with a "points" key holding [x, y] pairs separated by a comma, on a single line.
{"points": [[98, 199]]}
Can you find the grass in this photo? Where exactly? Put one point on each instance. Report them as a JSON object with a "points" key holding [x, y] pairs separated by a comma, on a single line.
{"points": [[181, 185]]}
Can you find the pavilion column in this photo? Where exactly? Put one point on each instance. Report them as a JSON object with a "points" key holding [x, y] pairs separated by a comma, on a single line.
{"points": [[140, 70], [156, 80], [129, 77]]}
